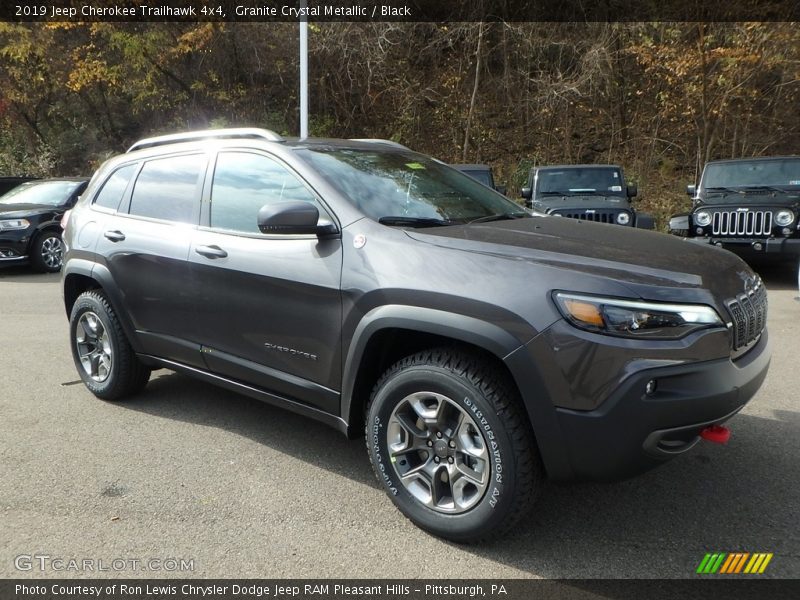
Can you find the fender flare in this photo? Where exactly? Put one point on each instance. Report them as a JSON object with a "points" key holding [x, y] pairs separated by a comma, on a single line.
{"points": [[102, 276], [471, 330]]}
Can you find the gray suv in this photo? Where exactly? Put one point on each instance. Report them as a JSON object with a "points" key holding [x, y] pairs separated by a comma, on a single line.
{"points": [[478, 347]]}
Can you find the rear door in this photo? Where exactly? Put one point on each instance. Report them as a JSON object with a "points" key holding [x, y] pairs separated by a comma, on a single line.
{"points": [[145, 245], [269, 305]]}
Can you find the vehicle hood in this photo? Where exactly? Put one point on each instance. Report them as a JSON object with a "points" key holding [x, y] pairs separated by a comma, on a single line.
{"points": [[751, 198], [652, 265], [582, 202], [14, 211]]}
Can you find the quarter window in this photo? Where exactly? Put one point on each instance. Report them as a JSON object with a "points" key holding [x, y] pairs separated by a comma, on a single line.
{"points": [[111, 193], [166, 188], [245, 182]]}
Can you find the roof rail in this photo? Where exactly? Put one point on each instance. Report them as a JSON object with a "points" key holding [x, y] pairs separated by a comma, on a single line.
{"points": [[207, 134], [379, 141]]}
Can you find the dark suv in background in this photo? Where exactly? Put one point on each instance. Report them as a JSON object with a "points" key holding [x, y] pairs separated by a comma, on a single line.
{"points": [[30, 221], [595, 193], [750, 206], [478, 347]]}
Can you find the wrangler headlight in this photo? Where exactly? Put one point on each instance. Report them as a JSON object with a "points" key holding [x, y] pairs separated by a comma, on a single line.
{"points": [[784, 218], [634, 318], [13, 224], [623, 218], [702, 218]]}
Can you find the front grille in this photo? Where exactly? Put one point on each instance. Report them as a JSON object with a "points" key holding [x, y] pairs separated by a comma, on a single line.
{"points": [[742, 223], [595, 216], [749, 313]]}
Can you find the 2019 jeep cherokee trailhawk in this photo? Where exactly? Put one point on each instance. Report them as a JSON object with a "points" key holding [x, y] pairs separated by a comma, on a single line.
{"points": [[378, 290]]}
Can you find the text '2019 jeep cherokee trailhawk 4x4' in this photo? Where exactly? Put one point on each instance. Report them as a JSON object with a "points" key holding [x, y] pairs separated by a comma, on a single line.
{"points": [[376, 289]]}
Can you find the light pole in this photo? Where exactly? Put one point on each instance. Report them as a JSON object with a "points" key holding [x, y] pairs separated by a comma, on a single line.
{"points": [[303, 71]]}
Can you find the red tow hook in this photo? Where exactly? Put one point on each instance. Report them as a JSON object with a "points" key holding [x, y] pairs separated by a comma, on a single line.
{"points": [[716, 433]]}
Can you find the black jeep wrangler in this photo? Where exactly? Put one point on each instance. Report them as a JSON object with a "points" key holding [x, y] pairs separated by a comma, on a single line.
{"points": [[749, 206], [595, 193], [479, 347], [482, 173]]}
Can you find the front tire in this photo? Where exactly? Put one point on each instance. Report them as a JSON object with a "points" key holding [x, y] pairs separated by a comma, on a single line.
{"points": [[47, 252], [103, 357], [451, 444]]}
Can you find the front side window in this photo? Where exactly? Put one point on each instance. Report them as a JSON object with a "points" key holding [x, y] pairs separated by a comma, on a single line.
{"points": [[113, 189], [166, 188], [243, 183]]}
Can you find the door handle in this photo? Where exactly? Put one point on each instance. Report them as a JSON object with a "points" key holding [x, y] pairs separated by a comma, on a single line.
{"points": [[211, 251], [114, 236]]}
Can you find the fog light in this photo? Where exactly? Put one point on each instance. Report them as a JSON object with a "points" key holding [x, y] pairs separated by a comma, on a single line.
{"points": [[699, 231], [758, 246], [786, 231], [650, 388]]}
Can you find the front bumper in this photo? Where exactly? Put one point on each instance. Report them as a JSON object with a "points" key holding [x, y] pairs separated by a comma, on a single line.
{"points": [[632, 431], [769, 247], [14, 245]]}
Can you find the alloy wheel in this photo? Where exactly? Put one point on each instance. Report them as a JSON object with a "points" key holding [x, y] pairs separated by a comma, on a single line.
{"points": [[439, 452], [93, 346]]}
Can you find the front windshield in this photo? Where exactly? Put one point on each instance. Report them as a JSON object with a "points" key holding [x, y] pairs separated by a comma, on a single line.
{"points": [[44, 193], [403, 186], [778, 173], [577, 180]]}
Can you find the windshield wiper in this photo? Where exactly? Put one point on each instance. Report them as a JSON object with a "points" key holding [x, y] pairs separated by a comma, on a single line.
{"points": [[723, 190], [499, 217], [414, 221], [761, 188]]}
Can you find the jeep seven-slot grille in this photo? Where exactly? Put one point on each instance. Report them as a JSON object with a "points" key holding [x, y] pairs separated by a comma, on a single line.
{"points": [[596, 216], [742, 223], [749, 312]]}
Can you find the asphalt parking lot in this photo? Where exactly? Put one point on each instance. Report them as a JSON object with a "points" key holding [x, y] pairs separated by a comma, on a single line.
{"points": [[241, 489]]}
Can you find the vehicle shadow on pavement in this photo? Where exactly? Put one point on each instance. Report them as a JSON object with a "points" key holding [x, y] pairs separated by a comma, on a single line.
{"points": [[778, 276], [24, 274], [175, 396], [738, 497]]}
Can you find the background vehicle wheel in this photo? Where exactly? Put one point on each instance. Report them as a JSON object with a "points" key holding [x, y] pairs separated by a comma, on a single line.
{"points": [[451, 444], [104, 358], [47, 252]]}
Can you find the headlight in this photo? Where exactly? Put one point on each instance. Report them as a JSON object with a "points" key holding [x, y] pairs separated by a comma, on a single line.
{"points": [[702, 218], [12, 224], [635, 319], [623, 218], [784, 217]]}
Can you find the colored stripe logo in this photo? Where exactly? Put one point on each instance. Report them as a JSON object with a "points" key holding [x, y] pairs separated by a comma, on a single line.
{"points": [[734, 563]]}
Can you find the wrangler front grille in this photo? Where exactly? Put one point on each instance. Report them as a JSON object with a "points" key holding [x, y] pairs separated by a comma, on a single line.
{"points": [[749, 313], [596, 216], [742, 223]]}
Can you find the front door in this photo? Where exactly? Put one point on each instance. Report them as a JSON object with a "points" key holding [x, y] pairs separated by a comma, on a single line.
{"points": [[268, 306]]}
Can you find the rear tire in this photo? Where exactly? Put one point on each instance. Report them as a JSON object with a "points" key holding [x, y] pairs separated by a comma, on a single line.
{"points": [[103, 356], [451, 443], [47, 252]]}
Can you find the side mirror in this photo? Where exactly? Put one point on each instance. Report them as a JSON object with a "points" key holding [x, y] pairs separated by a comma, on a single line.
{"points": [[526, 192], [632, 191], [691, 190], [501, 189], [292, 218]]}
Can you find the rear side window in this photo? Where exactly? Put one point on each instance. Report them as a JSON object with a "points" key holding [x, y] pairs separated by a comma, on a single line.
{"points": [[244, 182], [111, 193], [166, 188]]}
